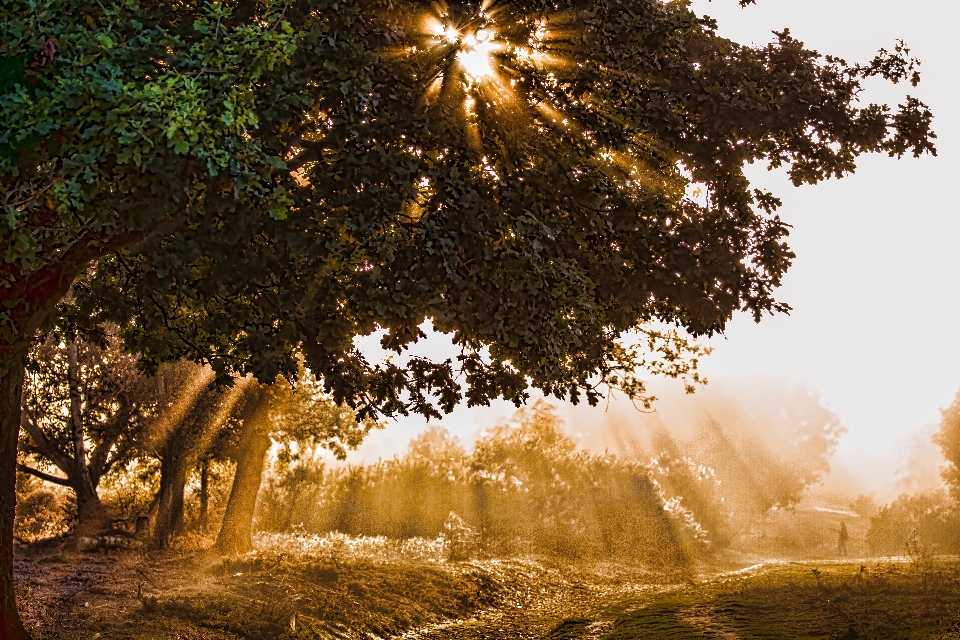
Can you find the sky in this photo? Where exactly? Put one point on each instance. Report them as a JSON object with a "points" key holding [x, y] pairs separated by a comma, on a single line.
{"points": [[874, 285]]}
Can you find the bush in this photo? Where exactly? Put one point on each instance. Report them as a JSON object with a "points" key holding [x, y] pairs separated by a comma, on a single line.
{"points": [[41, 512], [525, 488], [930, 517]]}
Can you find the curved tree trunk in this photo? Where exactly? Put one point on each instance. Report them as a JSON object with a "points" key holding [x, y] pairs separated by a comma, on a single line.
{"points": [[173, 480], [11, 388], [237, 529]]}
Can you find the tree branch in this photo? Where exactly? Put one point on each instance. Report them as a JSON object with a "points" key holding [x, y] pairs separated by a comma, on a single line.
{"points": [[63, 482], [46, 448]]}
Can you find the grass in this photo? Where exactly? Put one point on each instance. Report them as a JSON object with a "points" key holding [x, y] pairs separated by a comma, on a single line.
{"points": [[337, 587], [795, 601]]}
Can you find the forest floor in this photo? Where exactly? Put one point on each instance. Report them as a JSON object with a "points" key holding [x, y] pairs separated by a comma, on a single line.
{"points": [[375, 590]]}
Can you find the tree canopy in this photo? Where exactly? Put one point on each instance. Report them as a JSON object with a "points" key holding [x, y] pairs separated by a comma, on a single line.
{"points": [[264, 176], [240, 181]]}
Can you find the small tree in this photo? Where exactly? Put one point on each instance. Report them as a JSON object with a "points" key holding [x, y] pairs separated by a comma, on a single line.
{"points": [[85, 408]]}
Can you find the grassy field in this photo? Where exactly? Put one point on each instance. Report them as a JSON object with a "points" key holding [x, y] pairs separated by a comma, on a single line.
{"points": [[917, 598]]}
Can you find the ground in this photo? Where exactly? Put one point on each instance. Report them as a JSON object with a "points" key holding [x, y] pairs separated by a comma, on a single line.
{"points": [[373, 588]]}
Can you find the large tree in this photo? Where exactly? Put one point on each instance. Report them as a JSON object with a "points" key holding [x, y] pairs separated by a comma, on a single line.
{"points": [[254, 177]]}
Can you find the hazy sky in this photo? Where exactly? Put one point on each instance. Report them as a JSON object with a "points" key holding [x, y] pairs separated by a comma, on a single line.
{"points": [[874, 287]]}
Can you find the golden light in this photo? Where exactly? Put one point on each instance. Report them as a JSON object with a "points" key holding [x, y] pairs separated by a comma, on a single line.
{"points": [[477, 60], [476, 54], [450, 35]]}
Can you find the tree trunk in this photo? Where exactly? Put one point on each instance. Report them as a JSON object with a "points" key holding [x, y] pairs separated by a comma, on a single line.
{"points": [[237, 528], [11, 388], [91, 515], [204, 494], [173, 480], [27, 304]]}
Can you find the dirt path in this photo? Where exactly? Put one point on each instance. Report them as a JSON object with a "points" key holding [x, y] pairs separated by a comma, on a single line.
{"points": [[554, 608]]}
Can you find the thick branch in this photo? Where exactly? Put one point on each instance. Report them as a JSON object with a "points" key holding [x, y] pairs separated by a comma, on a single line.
{"points": [[46, 448], [98, 458], [63, 482], [31, 299]]}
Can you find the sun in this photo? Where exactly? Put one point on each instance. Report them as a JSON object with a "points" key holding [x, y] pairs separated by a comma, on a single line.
{"points": [[476, 54], [476, 48]]}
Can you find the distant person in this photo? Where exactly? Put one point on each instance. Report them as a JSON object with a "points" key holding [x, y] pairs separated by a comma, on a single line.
{"points": [[842, 542]]}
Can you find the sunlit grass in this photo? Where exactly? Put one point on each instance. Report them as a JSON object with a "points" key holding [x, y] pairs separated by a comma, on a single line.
{"points": [[346, 548], [795, 601]]}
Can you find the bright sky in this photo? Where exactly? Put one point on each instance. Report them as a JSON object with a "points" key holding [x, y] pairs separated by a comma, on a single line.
{"points": [[874, 286]]}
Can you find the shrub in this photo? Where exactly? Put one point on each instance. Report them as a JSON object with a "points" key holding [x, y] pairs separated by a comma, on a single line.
{"points": [[526, 487], [932, 515]]}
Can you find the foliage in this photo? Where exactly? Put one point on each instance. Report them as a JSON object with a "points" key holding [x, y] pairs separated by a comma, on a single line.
{"points": [[129, 491], [915, 521], [305, 417], [525, 487], [949, 440], [246, 172], [41, 512]]}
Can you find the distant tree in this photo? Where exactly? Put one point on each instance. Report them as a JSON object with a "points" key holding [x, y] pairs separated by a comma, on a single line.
{"points": [[949, 440], [770, 460], [257, 178], [930, 517], [864, 506], [746, 452]]}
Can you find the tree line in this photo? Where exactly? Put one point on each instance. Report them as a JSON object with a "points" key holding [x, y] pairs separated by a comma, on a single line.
{"points": [[88, 410]]}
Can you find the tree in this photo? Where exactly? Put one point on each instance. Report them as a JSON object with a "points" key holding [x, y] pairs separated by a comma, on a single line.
{"points": [[254, 178], [194, 416], [949, 440], [84, 409], [278, 412]]}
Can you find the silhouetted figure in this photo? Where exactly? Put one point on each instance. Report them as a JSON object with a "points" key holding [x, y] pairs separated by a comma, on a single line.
{"points": [[842, 542]]}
